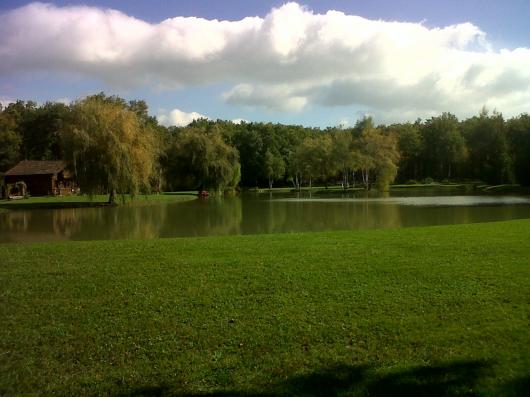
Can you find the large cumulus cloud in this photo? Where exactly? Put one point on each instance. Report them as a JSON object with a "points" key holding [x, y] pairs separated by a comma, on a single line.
{"points": [[289, 60]]}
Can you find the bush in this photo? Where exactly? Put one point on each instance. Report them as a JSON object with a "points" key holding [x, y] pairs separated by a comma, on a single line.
{"points": [[412, 182], [428, 181]]}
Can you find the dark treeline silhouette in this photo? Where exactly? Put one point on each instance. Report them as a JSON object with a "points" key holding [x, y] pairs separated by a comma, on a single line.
{"points": [[221, 155]]}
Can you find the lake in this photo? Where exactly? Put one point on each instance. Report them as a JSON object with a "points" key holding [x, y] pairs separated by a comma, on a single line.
{"points": [[252, 213]]}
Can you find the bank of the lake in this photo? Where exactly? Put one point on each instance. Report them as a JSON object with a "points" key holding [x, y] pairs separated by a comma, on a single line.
{"points": [[99, 200], [417, 311]]}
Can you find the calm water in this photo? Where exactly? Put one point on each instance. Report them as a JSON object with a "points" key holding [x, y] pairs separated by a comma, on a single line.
{"points": [[253, 213]]}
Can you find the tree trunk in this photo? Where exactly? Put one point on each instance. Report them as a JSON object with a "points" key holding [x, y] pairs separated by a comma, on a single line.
{"points": [[112, 196], [270, 183]]}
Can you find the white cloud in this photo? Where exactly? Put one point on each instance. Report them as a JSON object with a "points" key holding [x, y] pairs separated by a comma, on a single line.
{"points": [[287, 61], [178, 118], [239, 121]]}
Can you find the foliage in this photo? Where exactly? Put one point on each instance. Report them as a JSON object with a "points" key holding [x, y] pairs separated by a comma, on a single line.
{"points": [[274, 167], [109, 149], [444, 143], [410, 143], [484, 147], [200, 158], [10, 141], [313, 158], [489, 156], [518, 133], [379, 157]]}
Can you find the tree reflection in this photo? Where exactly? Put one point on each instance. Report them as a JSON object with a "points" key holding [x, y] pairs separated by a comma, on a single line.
{"points": [[243, 214]]}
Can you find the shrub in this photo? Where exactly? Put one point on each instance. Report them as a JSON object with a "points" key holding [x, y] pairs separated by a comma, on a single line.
{"points": [[428, 181]]}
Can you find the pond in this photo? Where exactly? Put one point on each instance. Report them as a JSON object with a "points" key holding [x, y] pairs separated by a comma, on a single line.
{"points": [[252, 213]]}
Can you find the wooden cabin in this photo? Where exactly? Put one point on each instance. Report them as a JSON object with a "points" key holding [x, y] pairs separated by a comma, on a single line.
{"points": [[42, 178]]}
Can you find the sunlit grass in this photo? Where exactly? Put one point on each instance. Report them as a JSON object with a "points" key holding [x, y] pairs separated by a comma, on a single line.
{"points": [[95, 200], [418, 311]]}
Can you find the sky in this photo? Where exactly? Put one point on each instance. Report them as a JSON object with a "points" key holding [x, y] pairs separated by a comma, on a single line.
{"points": [[315, 63]]}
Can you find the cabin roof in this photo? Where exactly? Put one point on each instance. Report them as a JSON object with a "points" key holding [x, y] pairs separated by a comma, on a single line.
{"points": [[36, 167]]}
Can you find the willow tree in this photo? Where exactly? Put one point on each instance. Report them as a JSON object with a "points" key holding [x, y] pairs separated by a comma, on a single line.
{"points": [[108, 148], [201, 159]]}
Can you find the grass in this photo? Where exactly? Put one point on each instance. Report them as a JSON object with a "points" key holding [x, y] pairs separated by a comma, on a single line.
{"points": [[428, 185], [435, 311], [77, 201]]}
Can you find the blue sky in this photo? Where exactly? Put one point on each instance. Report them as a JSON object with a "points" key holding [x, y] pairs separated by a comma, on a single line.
{"points": [[293, 65]]}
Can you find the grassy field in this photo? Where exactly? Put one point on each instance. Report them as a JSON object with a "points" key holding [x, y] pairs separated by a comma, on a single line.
{"points": [[435, 311], [77, 201]]}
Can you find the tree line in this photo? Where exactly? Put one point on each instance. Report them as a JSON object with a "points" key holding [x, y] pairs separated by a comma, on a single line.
{"points": [[115, 147]]}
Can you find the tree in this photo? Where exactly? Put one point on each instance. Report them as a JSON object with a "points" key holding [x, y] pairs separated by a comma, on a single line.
{"points": [[519, 142], [202, 159], [10, 141], [314, 157], [410, 143], [41, 132], [346, 157], [274, 167], [489, 157], [341, 153], [250, 146], [378, 157], [107, 147], [445, 146]]}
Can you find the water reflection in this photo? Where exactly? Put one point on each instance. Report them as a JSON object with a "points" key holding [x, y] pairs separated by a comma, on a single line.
{"points": [[253, 213], [438, 201]]}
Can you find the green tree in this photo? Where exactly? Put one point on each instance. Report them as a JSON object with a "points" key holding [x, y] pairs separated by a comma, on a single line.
{"points": [[251, 150], [202, 159], [378, 157], [10, 141], [41, 130], [445, 147], [274, 167], [489, 156], [314, 158], [108, 148], [519, 142], [410, 143]]}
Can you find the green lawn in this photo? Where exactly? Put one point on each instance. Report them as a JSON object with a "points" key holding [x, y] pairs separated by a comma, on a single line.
{"points": [[435, 311], [429, 185], [75, 201]]}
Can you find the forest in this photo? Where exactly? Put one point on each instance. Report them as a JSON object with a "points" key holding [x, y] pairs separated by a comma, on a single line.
{"points": [[114, 146]]}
